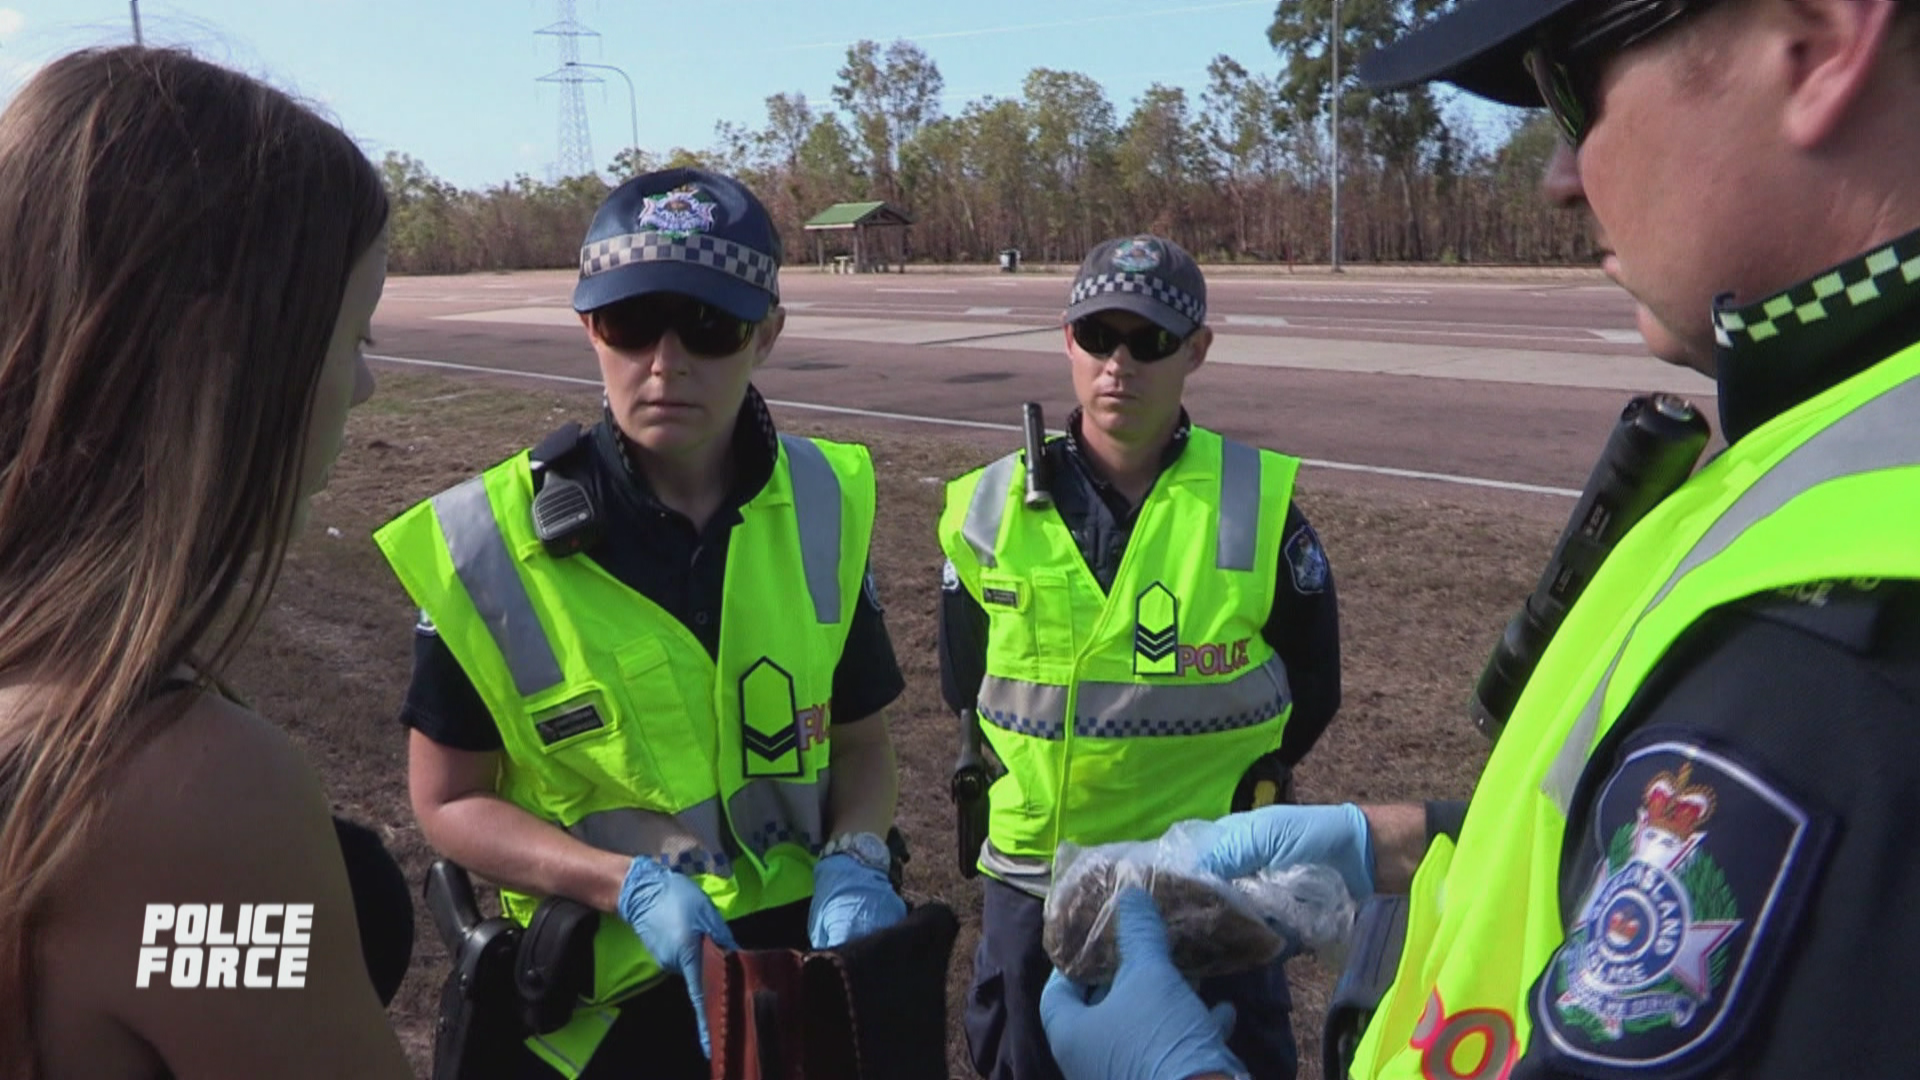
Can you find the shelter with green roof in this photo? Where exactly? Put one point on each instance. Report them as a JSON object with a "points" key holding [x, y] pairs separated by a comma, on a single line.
{"points": [[867, 236]]}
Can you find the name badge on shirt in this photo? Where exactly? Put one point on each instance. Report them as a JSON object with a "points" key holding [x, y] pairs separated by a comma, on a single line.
{"points": [[1002, 591], [568, 724]]}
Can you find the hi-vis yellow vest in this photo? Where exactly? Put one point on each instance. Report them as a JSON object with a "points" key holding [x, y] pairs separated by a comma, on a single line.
{"points": [[1827, 491], [617, 725], [1119, 713]]}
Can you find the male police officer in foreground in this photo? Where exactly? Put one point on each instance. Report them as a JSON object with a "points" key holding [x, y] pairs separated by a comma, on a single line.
{"points": [[1172, 601], [1690, 853], [648, 676]]}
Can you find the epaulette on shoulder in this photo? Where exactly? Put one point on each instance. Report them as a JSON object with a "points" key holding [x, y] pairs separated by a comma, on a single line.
{"points": [[558, 446]]}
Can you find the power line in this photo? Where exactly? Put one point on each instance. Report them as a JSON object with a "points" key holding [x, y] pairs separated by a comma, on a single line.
{"points": [[576, 140]]}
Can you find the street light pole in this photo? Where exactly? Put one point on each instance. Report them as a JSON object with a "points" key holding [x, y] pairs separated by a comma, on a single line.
{"points": [[633, 105], [135, 5], [1335, 94]]}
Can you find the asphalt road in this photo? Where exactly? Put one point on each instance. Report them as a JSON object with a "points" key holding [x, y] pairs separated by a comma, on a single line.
{"points": [[1490, 382]]}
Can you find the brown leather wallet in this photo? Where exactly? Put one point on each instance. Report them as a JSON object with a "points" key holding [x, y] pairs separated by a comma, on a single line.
{"points": [[873, 1009]]}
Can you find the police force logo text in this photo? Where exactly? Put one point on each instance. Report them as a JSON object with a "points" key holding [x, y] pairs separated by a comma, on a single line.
{"points": [[262, 947]]}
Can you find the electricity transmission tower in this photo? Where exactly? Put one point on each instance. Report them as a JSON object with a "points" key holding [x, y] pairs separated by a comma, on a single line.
{"points": [[576, 142]]}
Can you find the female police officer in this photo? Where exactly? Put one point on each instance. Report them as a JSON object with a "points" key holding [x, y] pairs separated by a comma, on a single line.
{"points": [[1690, 853], [647, 670]]}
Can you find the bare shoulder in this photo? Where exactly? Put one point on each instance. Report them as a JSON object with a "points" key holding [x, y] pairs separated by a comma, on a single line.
{"points": [[217, 817], [220, 768], [219, 798]]}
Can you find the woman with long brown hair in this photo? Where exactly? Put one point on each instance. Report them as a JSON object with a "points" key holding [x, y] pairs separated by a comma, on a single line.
{"points": [[189, 261]]}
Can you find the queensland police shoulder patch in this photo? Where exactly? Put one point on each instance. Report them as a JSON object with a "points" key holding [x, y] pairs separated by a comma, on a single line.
{"points": [[1308, 561], [1706, 868]]}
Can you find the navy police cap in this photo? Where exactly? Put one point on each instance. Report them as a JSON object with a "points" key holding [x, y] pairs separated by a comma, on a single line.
{"points": [[685, 231]]}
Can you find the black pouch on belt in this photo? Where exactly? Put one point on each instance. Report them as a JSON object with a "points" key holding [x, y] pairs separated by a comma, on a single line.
{"points": [[1379, 936], [553, 969]]}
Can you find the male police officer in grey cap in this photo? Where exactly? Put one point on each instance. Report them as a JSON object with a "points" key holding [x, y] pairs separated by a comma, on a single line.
{"points": [[650, 667], [1159, 644], [1690, 854]]}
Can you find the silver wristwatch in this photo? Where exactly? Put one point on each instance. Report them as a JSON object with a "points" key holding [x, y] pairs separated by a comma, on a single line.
{"points": [[866, 849]]}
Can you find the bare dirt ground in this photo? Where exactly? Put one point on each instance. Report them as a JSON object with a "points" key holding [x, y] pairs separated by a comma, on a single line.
{"points": [[1426, 576]]}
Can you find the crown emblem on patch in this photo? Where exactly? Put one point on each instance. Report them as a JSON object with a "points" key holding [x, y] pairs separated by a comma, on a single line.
{"points": [[678, 213], [1676, 805], [1137, 256]]}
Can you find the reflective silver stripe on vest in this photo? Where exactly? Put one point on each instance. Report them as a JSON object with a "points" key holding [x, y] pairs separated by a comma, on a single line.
{"points": [[1029, 875], [485, 568], [1882, 434], [1145, 710], [1137, 710], [1023, 708], [769, 812], [689, 842], [1239, 505], [695, 840], [816, 506], [989, 505]]}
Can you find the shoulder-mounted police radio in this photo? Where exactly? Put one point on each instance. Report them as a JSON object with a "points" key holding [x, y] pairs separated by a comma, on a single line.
{"points": [[1652, 451], [564, 515], [1039, 487]]}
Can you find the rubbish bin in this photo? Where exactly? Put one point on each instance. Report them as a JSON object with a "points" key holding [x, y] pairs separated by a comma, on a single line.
{"points": [[1009, 259]]}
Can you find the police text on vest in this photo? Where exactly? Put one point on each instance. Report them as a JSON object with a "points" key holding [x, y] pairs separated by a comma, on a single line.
{"points": [[260, 947]]}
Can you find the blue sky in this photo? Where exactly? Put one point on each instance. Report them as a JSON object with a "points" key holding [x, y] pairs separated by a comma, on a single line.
{"points": [[452, 82]]}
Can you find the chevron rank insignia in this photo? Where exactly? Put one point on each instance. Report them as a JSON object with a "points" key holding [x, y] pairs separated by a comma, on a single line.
{"points": [[1156, 632], [770, 724]]}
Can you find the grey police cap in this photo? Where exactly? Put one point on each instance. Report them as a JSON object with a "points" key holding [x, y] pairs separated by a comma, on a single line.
{"points": [[1149, 276]]}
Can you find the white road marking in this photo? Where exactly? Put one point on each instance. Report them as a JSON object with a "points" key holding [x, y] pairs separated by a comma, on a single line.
{"points": [[947, 421], [1434, 359], [1346, 299]]}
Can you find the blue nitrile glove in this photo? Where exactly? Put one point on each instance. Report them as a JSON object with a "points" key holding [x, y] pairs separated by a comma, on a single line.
{"points": [[1150, 1025], [850, 900], [1274, 837], [671, 914]]}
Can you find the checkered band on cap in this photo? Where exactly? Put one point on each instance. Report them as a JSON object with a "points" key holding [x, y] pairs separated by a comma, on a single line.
{"points": [[1146, 284], [753, 267], [1855, 285]]}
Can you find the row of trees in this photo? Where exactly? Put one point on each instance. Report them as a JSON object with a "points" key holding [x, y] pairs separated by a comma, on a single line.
{"points": [[1241, 171]]}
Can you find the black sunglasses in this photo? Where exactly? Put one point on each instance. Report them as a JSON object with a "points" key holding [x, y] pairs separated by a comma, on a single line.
{"points": [[1566, 62], [638, 324], [1146, 344]]}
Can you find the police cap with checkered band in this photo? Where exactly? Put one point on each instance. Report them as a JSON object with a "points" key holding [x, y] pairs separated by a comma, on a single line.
{"points": [[1153, 278], [685, 231]]}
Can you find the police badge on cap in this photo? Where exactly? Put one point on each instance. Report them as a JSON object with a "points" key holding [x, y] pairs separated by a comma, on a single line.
{"points": [[679, 213]]}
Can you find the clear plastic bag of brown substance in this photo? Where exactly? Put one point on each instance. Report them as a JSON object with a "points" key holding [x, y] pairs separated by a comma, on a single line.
{"points": [[1214, 926]]}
